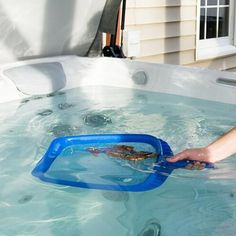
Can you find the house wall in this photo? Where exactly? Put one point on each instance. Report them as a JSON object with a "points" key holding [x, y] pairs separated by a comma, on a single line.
{"points": [[168, 33]]}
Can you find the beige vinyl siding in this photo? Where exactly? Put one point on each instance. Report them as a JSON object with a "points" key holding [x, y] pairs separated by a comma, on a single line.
{"points": [[162, 31], [168, 33], [158, 3], [168, 29], [160, 15], [168, 45], [224, 63], [181, 58]]}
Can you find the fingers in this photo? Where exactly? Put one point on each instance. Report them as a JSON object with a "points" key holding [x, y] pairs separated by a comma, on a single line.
{"points": [[181, 156], [195, 155], [196, 165]]}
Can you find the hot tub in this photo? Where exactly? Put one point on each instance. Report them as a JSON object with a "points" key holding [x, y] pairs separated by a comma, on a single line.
{"points": [[46, 98]]}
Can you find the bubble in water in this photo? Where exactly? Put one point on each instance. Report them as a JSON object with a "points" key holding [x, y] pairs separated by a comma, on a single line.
{"points": [[127, 180], [97, 120]]}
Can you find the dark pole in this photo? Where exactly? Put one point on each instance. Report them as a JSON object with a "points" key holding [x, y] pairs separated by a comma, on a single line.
{"points": [[113, 37], [123, 15]]}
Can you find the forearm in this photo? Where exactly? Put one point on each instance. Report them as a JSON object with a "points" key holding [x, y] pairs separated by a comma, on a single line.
{"points": [[223, 147]]}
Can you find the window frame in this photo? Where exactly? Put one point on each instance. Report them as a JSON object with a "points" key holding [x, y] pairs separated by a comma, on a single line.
{"points": [[216, 47]]}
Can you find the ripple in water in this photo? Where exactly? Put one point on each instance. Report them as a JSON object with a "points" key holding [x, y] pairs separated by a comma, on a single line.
{"points": [[55, 94], [25, 199], [24, 101], [64, 130], [206, 207], [36, 97], [97, 120], [116, 196], [64, 106], [46, 112], [152, 228]]}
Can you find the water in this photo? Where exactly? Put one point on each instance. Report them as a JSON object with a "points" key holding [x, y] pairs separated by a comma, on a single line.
{"points": [[77, 164], [189, 203]]}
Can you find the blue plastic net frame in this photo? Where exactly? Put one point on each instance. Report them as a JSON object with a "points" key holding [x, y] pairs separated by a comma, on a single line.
{"points": [[153, 180]]}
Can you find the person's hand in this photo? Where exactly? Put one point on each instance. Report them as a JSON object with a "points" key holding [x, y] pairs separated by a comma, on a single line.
{"points": [[198, 155], [218, 150]]}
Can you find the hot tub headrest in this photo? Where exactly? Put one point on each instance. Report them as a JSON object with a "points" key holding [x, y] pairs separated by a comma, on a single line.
{"points": [[35, 79]]}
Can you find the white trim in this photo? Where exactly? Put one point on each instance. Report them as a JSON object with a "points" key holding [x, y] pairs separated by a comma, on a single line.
{"points": [[233, 23], [210, 53], [213, 43], [198, 23]]}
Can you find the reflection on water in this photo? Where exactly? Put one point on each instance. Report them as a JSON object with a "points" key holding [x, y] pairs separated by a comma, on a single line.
{"points": [[189, 203]]}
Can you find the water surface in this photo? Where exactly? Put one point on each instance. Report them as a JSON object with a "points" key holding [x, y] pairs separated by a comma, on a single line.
{"points": [[189, 203]]}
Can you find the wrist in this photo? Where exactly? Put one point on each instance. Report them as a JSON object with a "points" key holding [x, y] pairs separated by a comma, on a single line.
{"points": [[208, 155], [214, 154]]}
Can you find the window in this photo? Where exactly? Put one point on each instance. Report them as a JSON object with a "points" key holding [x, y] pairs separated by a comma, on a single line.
{"points": [[214, 19], [215, 33]]}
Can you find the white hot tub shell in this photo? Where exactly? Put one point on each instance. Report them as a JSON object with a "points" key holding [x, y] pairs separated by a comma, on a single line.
{"points": [[44, 76]]}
